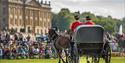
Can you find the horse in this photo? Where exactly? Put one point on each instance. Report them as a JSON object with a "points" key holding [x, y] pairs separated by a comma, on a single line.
{"points": [[61, 42]]}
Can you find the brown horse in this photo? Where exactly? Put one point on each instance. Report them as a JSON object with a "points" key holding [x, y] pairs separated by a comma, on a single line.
{"points": [[61, 42]]}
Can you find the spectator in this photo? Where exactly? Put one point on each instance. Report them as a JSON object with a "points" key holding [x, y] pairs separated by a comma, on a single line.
{"points": [[28, 37], [13, 46], [6, 53], [1, 52], [36, 51], [42, 51], [48, 52], [19, 50]]}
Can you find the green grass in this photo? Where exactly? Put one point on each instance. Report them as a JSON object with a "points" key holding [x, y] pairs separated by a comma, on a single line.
{"points": [[113, 60], [29, 61]]}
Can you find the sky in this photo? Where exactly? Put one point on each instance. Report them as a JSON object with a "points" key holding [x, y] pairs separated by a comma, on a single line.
{"points": [[115, 8]]}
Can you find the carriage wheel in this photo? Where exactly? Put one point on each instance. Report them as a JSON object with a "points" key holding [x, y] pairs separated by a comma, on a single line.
{"points": [[107, 54]]}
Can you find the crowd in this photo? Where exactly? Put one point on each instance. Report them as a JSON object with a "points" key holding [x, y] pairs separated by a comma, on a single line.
{"points": [[16, 46], [117, 43]]}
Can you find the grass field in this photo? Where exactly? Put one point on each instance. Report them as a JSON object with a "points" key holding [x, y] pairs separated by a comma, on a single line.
{"points": [[113, 60]]}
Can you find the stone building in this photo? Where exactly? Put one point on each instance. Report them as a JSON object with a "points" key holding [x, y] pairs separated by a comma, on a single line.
{"points": [[28, 16]]}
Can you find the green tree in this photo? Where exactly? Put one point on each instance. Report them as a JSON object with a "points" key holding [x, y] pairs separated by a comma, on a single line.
{"points": [[64, 18], [84, 14], [110, 24], [54, 20], [123, 22]]}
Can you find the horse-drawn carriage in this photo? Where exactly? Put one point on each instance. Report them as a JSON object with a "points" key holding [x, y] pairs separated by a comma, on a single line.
{"points": [[87, 40], [90, 40]]}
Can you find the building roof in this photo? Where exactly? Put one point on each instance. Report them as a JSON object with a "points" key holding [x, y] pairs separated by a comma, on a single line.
{"points": [[31, 2], [27, 1]]}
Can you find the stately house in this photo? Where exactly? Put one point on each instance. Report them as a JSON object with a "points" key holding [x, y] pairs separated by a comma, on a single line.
{"points": [[28, 16]]}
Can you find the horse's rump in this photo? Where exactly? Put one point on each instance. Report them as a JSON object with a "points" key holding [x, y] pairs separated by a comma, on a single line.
{"points": [[62, 42]]}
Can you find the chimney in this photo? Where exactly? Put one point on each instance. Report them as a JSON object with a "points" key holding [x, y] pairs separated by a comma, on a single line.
{"points": [[37, 0], [41, 2], [49, 3], [45, 2]]}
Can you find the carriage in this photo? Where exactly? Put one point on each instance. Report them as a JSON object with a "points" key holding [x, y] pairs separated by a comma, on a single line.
{"points": [[89, 40]]}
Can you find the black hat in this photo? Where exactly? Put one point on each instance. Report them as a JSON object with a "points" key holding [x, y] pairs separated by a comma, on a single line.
{"points": [[88, 18], [76, 17]]}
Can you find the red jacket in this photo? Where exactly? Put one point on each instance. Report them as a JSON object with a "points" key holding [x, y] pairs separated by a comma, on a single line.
{"points": [[75, 25], [89, 23]]}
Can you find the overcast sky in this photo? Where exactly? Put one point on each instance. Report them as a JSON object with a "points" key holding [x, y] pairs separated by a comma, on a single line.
{"points": [[115, 8]]}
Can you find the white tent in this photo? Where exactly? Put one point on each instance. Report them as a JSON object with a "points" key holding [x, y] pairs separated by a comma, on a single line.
{"points": [[120, 30]]}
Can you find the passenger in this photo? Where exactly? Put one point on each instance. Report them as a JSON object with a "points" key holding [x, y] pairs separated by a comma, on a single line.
{"points": [[78, 23], [75, 24], [89, 21]]}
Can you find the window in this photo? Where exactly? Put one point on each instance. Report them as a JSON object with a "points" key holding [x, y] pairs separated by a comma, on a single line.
{"points": [[4, 10], [16, 22], [29, 30], [11, 21], [4, 20], [41, 31], [22, 30], [4, 2], [20, 22], [37, 31]]}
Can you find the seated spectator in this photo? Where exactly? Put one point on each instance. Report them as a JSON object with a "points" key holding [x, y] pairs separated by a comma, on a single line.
{"points": [[20, 51], [6, 53], [13, 53], [26, 52], [42, 52], [36, 50], [28, 37], [48, 52], [1, 52]]}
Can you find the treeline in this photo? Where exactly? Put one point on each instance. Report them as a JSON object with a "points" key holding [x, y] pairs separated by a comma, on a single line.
{"points": [[64, 18]]}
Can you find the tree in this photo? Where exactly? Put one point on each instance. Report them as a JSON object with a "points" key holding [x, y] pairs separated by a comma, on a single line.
{"points": [[62, 20], [54, 20], [63, 23], [84, 14], [123, 22]]}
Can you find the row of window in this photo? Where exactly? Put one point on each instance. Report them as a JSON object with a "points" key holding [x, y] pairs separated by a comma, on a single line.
{"points": [[32, 17], [20, 22], [29, 30]]}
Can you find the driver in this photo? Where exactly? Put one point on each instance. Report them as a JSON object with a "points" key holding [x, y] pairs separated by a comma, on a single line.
{"points": [[75, 24]]}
